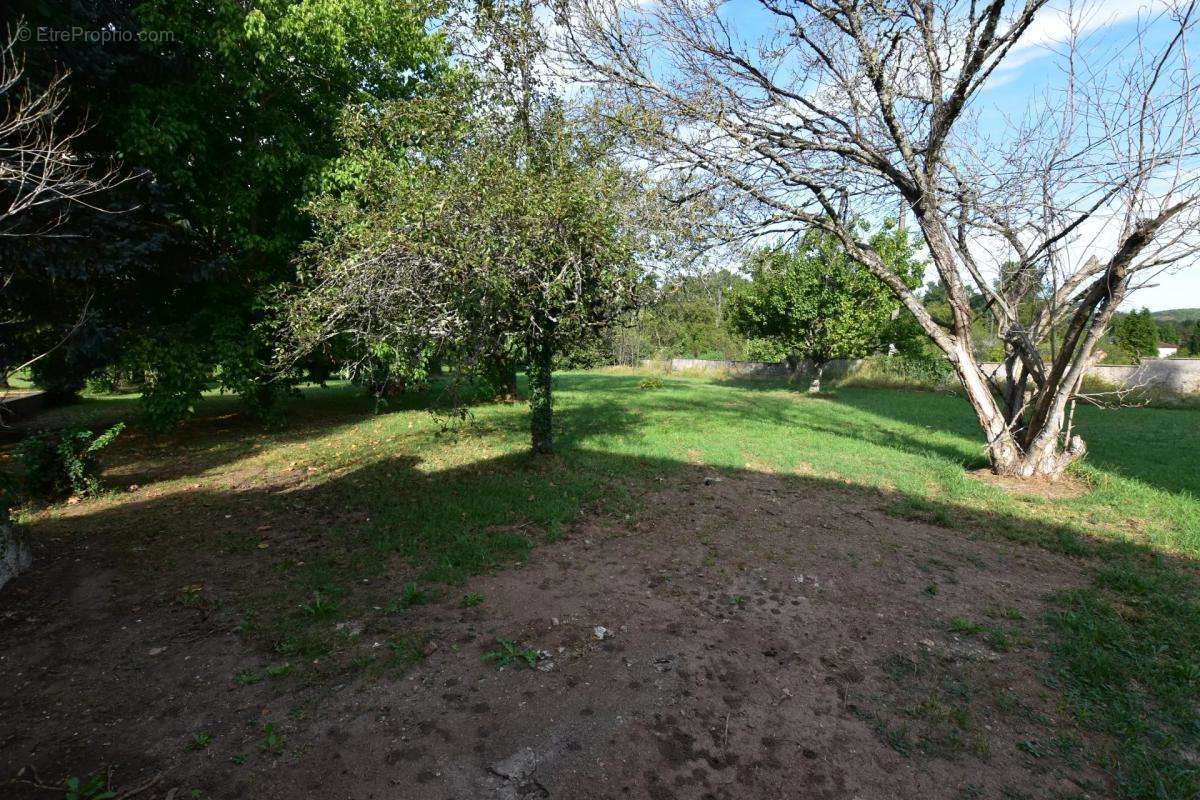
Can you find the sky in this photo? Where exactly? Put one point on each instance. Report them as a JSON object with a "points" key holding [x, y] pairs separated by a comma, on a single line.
{"points": [[1107, 27], [1106, 22]]}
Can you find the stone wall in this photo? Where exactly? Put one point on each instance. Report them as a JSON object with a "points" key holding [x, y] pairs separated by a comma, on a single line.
{"points": [[1177, 375], [1180, 376], [750, 369]]}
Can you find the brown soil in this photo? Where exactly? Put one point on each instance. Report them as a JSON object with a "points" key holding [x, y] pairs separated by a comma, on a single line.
{"points": [[764, 639]]}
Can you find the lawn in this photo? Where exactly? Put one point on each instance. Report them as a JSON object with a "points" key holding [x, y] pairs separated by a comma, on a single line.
{"points": [[343, 513]]}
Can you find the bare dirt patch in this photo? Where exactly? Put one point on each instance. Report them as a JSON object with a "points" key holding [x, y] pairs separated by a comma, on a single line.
{"points": [[752, 636], [1064, 488]]}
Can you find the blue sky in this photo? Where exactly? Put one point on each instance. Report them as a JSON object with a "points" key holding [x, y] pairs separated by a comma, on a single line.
{"points": [[1107, 27]]}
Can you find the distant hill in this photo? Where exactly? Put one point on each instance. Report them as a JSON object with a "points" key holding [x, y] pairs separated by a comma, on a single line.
{"points": [[1178, 314]]}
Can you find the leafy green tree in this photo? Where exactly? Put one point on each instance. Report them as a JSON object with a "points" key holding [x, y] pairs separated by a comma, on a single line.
{"points": [[455, 228], [231, 110], [1137, 334], [1191, 338], [684, 317], [817, 303]]}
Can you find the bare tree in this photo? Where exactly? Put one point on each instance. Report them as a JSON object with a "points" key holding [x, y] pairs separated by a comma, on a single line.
{"points": [[42, 176], [844, 109]]}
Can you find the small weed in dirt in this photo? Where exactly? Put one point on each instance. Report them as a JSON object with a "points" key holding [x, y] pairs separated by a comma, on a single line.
{"points": [[999, 640], [960, 625], [413, 595], [190, 596], [279, 670], [272, 741], [472, 600], [931, 590], [248, 677], [94, 788], [407, 650], [1032, 747], [322, 606], [900, 667], [308, 645], [200, 741], [507, 653], [239, 759]]}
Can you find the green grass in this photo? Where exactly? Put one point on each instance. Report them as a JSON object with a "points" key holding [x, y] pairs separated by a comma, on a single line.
{"points": [[455, 499]]}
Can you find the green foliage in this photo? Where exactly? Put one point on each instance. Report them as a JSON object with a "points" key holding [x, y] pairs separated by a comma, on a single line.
{"points": [[508, 653], [59, 374], [771, 350], [472, 600], [923, 370], [1136, 334], [272, 740], [480, 241], [276, 73], [94, 788], [685, 318], [61, 463], [233, 121], [199, 741], [814, 302], [1192, 341]]}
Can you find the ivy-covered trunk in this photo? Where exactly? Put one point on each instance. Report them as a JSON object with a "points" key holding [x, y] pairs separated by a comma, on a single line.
{"points": [[540, 370]]}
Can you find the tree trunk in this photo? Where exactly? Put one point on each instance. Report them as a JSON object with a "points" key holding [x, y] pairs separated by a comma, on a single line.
{"points": [[818, 371], [540, 370], [1041, 457]]}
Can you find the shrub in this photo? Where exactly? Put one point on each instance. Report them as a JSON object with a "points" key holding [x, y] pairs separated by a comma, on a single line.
{"points": [[903, 370], [60, 463]]}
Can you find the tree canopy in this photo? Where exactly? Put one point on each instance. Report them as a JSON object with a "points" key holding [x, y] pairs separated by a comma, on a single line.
{"points": [[456, 230], [818, 303]]}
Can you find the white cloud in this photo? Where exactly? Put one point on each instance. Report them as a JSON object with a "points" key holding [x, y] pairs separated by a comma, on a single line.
{"points": [[1052, 27]]}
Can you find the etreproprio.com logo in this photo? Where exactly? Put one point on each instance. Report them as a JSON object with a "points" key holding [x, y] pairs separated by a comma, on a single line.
{"points": [[106, 35]]}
